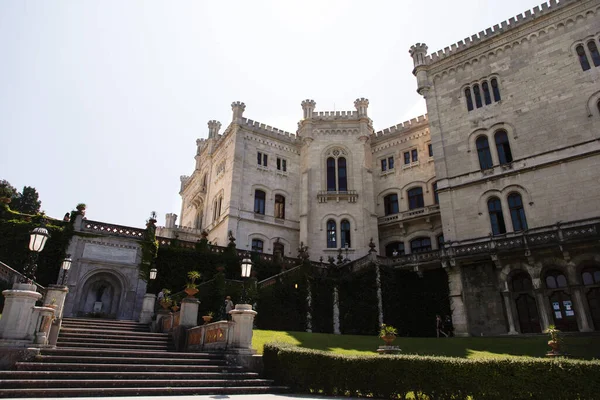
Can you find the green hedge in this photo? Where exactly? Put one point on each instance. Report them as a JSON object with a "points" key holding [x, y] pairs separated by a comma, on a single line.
{"points": [[433, 378]]}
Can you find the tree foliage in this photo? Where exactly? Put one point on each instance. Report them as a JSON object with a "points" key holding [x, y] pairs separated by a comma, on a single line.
{"points": [[7, 190], [28, 201]]}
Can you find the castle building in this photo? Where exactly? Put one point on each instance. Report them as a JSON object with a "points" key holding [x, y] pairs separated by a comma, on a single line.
{"points": [[498, 184]]}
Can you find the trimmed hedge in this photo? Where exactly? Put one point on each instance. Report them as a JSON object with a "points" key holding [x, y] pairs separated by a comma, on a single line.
{"points": [[433, 378]]}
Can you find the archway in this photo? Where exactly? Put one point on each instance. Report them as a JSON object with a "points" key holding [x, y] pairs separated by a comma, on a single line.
{"points": [[590, 277], [101, 296], [527, 312], [561, 304]]}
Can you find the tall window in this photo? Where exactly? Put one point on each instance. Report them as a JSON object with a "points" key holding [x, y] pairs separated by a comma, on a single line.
{"points": [[203, 188], [394, 249], [198, 223], [279, 206], [503, 147], [594, 52], [217, 207], [483, 151], [390, 204], [281, 164], [406, 157], [477, 96], [415, 198], [496, 89], [430, 150], [469, 99], [257, 245], [420, 245], [331, 234], [345, 232], [337, 175], [517, 213], [496, 216], [414, 154], [436, 199], [387, 163], [486, 93], [261, 159], [583, 60], [259, 202]]}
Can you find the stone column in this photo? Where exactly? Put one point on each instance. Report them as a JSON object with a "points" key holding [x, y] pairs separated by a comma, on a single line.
{"points": [[509, 313], [147, 308], [379, 295], [580, 311], [243, 318], [457, 305], [17, 316], [540, 299], [188, 315], [336, 311]]}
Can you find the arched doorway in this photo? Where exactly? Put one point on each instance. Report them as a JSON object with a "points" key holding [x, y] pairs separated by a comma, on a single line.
{"points": [[561, 304], [590, 276], [101, 296], [527, 312]]}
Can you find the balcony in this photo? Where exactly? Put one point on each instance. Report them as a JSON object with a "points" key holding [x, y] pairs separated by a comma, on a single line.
{"points": [[410, 214], [323, 196]]}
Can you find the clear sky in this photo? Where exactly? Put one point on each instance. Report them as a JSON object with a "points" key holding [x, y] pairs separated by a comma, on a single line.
{"points": [[102, 101]]}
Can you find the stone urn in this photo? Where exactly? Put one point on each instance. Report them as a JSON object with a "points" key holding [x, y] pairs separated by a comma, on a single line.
{"points": [[388, 339], [207, 318], [191, 292]]}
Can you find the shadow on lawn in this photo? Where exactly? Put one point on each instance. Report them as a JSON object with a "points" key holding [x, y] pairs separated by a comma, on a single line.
{"points": [[584, 347]]}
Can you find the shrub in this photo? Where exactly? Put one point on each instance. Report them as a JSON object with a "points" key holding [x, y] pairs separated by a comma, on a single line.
{"points": [[386, 376]]}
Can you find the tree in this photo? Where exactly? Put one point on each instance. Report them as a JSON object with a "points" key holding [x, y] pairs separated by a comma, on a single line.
{"points": [[27, 202], [7, 190]]}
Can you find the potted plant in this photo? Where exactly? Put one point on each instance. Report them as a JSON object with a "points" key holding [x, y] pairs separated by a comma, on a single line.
{"points": [[175, 307], [388, 333], [191, 288], [208, 317], [166, 300], [555, 340]]}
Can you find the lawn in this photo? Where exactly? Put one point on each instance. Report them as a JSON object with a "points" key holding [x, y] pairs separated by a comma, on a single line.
{"points": [[584, 347]]}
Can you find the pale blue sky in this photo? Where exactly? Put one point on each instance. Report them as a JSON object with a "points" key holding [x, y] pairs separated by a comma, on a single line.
{"points": [[102, 101]]}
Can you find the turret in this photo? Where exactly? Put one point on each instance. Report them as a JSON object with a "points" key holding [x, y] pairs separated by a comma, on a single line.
{"points": [[361, 106], [170, 219], [238, 110], [213, 128], [418, 53], [308, 106]]}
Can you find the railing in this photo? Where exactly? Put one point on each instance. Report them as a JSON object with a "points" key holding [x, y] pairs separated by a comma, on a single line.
{"points": [[13, 276], [424, 257], [324, 195], [410, 214], [113, 230]]}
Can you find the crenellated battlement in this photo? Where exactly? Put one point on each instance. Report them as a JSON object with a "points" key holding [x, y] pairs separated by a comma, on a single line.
{"points": [[335, 115], [512, 23], [404, 126], [267, 129]]}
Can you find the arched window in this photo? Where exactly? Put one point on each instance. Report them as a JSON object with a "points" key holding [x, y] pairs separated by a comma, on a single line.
{"points": [[345, 232], [415, 198], [394, 249], [496, 216], [278, 248], [390, 204], [279, 206], [259, 201], [436, 199], [517, 213], [527, 313], [331, 234], [583, 60], [331, 174], [503, 147], [198, 222], [594, 52], [342, 178], [469, 99], [496, 89], [419, 245], [483, 151], [521, 282], [555, 279], [486, 93], [257, 245], [477, 96], [203, 188], [591, 276]]}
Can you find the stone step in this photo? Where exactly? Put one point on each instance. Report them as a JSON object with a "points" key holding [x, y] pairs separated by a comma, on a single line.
{"points": [[128, 383], [113, 336], [128, 360], [152, 347], [128, 353], [108, 325], [139, 391], [100, 321], [89, 331], [101, 375], [47, 366], [105, 328]]}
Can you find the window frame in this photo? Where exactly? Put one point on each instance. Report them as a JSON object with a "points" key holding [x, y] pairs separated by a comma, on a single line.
{"points": [[254, 245], [260, 202], [517, 212], [422, 248], [503, 147], [496, 216], [484, 154], [345, 235], [388, 202], [415, 199], [279, 212], [331, 234]]}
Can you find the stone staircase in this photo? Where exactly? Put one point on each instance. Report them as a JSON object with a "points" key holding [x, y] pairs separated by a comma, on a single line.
{"points": [[96, 357]]}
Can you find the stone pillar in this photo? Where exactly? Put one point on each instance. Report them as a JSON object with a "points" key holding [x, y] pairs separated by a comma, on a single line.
{"points": [[188, 315], [457, 305], [42, 323], [336, 311], [147, 308], [540, 299], [379, 295], [55, 298], [509, 314], [160, 315], [243, 318], [17, 316], [580, 311]]}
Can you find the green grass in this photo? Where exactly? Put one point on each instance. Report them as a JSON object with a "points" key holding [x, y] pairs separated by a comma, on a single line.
{"points": [[584, 347]]}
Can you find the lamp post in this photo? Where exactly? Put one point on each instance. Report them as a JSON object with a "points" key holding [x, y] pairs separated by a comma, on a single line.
{"points": [[37, 241], [246, 270], [65, 267]]}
